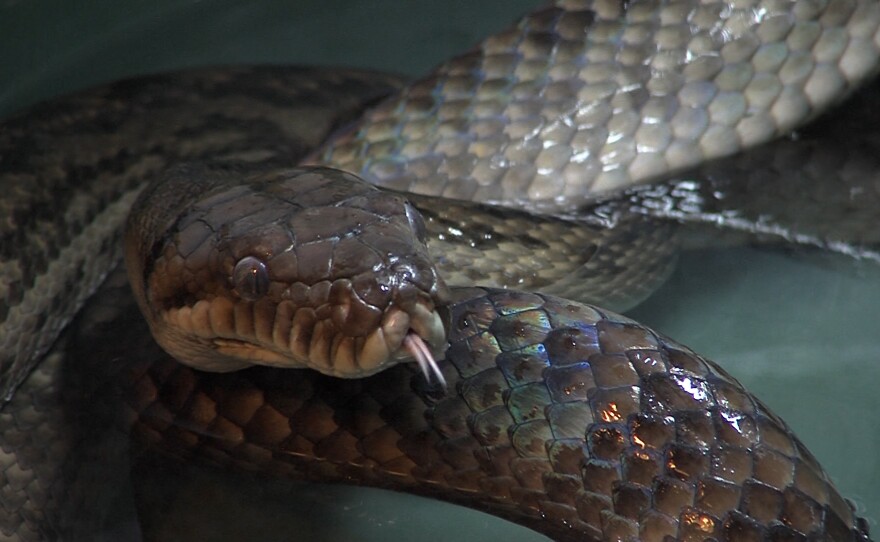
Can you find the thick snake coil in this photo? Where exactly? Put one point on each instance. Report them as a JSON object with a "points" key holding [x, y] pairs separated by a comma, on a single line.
{"points": [[564, 417]]}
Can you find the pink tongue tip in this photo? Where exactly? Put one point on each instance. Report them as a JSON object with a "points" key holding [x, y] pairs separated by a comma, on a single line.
{"points": [[422, 354]]}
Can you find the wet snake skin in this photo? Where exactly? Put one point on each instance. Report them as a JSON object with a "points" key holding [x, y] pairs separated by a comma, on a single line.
{"points": [[674, 446], [567, 418]]}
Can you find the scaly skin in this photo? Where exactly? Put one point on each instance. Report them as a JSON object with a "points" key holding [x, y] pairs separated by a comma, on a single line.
{"points": [[571, 420], [32, 226]]}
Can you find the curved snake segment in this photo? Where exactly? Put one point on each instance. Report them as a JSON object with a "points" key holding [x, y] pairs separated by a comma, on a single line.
{"points": [[817, 188], [557, 410], [592, 96], [615, 261], [672, 440]]}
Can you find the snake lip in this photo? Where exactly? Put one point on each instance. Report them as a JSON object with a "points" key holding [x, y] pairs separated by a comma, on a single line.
{"points": [[297, 339]]}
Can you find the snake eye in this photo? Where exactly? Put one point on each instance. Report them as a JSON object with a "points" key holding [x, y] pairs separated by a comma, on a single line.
{"points": [[250, 278]]}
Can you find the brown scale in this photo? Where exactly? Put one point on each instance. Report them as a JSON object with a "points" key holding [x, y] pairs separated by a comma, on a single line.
{"points": [[666, 444], [699, 458]]}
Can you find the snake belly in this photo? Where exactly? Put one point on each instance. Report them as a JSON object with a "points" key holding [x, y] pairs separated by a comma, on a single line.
{"points": [[680, 441]]}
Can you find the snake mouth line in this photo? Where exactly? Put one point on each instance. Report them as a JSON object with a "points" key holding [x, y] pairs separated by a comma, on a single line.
{"points": [[285, 337]]}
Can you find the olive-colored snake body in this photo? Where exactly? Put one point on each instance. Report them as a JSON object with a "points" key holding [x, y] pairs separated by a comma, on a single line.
{"points": [[567, 418]]}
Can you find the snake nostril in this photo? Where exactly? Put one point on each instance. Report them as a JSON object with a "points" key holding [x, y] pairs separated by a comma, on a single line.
{"points": [[250, 278]]}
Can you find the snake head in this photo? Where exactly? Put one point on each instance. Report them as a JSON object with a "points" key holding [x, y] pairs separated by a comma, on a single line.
{"points": [[307, 267]]}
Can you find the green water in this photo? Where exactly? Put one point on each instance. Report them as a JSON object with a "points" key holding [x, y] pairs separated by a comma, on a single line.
{"points": [[801, 332]]}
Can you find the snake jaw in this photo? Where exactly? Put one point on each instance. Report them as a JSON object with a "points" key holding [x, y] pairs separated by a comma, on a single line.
{"points": [[223, 335]]}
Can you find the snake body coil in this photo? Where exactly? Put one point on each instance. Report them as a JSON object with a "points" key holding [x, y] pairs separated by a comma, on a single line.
{"points": [[562, 416]]}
